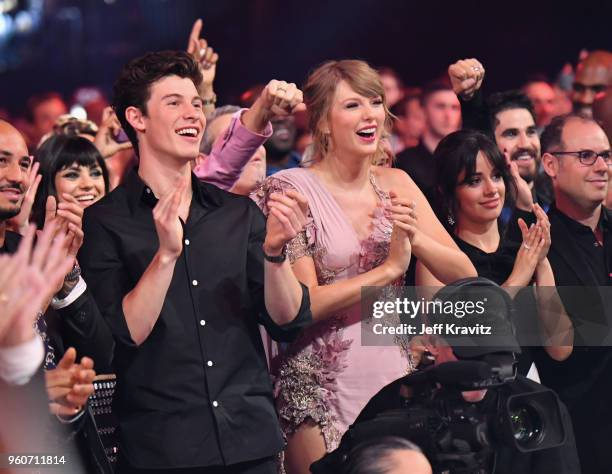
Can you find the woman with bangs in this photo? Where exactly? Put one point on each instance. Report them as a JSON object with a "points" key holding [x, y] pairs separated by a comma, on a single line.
{"points": [[474, 182], [365, 223], [73, 172]]}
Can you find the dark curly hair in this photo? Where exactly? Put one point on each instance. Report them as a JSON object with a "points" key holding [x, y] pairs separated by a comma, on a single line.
{"points": [[506, 100], [133, 86]]}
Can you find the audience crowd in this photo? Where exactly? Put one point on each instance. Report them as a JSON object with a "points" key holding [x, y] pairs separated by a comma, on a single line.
{"points": [[211, 257]]}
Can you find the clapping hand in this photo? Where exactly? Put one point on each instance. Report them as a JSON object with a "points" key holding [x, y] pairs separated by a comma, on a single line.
{"points": [[533, 250], [167, 223], [287, 217], [27, 278], [524, 199], [403, 215], [69, 385], [19, 223]]}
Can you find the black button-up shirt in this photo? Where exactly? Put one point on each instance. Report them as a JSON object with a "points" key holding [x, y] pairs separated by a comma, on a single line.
{"points": [[196, 392]]}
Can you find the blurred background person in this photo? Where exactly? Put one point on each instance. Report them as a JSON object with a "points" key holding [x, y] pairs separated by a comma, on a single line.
{"points": [[542, 96], [442, 116], [410, 121], [254, 172], [593, 78], [42, 111], [394, 87]]}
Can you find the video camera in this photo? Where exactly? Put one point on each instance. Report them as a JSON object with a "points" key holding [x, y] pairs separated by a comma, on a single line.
{"points": [[457, 436]]}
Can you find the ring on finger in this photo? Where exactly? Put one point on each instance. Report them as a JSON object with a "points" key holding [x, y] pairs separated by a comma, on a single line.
{"points": [[527, 246]]}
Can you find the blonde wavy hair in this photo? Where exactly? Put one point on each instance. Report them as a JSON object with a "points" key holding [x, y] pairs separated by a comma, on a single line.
{"points": [[319, 93]]}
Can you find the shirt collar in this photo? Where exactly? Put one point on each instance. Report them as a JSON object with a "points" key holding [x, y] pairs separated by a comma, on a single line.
{"points": [[605, 220], [138, 192]]}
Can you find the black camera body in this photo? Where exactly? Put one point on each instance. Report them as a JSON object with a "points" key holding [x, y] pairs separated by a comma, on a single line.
{"points": [[515, 418], [459, 437]]}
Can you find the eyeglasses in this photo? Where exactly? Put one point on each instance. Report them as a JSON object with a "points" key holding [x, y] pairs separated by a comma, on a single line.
{"points": [[588, 157]]}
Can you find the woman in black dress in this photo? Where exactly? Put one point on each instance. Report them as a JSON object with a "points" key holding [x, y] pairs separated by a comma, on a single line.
{"points": [[474, 182]]}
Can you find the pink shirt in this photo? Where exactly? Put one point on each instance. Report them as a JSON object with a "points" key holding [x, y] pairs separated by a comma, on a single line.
{"points": [[231, 152]]}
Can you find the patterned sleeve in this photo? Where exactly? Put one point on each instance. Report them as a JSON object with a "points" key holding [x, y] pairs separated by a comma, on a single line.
{"points": [[303, 244]]}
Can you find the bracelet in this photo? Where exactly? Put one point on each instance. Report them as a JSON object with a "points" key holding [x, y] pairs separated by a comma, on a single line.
{"points": [[210, 101], [276, 258], [74, 274]]}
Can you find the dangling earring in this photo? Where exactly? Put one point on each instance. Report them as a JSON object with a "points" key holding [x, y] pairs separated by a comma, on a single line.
{"points": [[326, 141], [450, 219]]}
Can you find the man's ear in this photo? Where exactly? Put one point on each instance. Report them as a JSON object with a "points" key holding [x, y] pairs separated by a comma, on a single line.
{"points": [[135, 117], [550, 163]]}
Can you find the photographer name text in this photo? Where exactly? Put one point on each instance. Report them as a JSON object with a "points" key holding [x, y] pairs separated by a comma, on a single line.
{"points": [[439, 329]]}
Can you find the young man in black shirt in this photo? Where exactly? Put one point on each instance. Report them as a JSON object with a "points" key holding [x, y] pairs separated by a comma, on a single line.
{"points": [[178, 267]]}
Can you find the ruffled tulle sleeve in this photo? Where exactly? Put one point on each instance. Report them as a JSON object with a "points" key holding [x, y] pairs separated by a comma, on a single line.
{"points": [[303, 244]]}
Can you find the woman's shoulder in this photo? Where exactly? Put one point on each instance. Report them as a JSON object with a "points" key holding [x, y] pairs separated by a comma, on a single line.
{"points": [[293, 179], [391, 176], [289, 174]]}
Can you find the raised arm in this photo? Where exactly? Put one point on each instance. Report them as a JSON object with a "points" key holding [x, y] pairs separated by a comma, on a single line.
{"points": [[247, 132], [207, 58], [327, 300], [466, 76]]}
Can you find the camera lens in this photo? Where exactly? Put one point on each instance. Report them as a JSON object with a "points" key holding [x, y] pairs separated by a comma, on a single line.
{"points": [[526, 425]]}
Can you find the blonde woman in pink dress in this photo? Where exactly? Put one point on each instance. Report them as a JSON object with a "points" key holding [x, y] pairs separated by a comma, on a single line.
{"points": [[365, 223]]}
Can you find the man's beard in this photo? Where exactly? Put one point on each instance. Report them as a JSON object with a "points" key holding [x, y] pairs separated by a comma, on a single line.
{"points": [[8, 213], [533, 155]]}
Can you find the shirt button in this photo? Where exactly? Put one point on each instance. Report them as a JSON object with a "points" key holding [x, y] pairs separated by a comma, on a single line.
{"points": [[209, 363], [202, 322], [186, 241], [194, 282], [215, 403]]}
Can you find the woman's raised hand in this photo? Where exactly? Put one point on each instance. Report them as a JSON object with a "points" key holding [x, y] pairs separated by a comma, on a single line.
{"points": [[401, 212]]}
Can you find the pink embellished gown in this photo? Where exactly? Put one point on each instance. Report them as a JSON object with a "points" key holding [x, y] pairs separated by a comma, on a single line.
{"points": [[327, 375]]}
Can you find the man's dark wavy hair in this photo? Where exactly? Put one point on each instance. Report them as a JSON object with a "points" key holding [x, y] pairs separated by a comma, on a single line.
{"points": [[133, 86], [507, 100]]}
